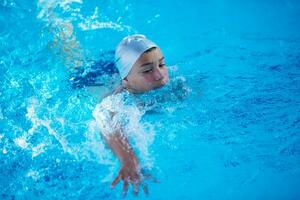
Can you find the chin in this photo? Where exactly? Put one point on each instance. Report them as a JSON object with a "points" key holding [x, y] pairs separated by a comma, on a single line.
{"points": [[162, 83], [157, 87]]}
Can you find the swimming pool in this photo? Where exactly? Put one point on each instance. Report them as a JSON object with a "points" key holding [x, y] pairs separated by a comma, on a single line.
{"points": [[235, 135]]}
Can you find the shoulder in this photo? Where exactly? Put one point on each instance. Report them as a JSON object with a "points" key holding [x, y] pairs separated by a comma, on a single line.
{"points": [[109, 103], [105, 113]]}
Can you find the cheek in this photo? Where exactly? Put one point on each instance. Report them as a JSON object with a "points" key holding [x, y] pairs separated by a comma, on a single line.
{"points": [[146, 79], [166, 73], [142, 82]]}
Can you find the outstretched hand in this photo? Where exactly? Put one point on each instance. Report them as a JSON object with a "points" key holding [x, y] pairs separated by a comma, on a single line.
{"points": [[130, 173]]}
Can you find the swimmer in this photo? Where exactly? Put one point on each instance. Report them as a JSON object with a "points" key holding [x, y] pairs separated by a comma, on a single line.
{"points": [[142, 68]]}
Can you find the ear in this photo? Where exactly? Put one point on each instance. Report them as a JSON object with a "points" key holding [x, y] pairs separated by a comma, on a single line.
{"points": [[125, 82]]}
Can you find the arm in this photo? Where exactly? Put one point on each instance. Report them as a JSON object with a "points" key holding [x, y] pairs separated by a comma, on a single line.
{"points": [[130, 171], [65, 44], [121, 148], [112, 132]]}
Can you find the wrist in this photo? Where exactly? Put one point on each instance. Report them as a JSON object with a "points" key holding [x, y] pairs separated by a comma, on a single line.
{"points": [[129, 159]]}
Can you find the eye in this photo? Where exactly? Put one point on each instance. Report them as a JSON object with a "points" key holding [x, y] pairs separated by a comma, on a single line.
{"points": [[147, 71], [162, 65]]}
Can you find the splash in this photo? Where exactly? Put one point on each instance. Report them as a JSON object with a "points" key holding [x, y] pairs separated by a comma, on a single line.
{"points": [[115, 114], [65, 21], [36, 123], [93, 23]]}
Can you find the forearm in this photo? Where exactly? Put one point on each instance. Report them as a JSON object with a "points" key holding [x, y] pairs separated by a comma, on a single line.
{"points": [[121, 148], [129, 171]]}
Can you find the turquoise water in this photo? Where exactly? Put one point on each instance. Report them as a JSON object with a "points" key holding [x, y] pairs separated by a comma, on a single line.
{"points": [[234, 136]]}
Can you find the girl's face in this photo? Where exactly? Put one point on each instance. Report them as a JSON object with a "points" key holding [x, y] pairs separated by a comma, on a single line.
{"points": [[148, 73]]}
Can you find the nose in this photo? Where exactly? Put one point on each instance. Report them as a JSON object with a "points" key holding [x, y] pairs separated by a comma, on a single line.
{"points": [[158, 75]]}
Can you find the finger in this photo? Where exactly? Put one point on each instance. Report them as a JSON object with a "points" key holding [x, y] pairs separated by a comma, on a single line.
{"points": [[136, 188], [145, 188], [116, 181], [125, 187], [150, 177]]}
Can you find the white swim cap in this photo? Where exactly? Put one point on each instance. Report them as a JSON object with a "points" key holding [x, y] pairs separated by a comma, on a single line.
{"points": [[129, 50]]}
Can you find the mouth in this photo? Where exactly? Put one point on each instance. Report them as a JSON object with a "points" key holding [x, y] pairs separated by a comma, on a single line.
{"points": [[161, 84], [157, 87], [164, 82]]}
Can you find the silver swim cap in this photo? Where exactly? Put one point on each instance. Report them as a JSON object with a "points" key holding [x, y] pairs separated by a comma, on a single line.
{"points": [[129, 50]]}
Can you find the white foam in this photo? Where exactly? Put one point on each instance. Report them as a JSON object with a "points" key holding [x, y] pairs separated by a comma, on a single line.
{"points": [[36, 122], [67, 2], [4, 151], [21, 142], [33, 174], [93, 25], [38, 149], [96, 145], [47, 6], [142, 139], [114, 114]]}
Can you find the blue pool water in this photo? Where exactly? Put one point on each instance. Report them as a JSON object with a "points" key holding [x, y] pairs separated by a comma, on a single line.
{"points": [[235, 135]]}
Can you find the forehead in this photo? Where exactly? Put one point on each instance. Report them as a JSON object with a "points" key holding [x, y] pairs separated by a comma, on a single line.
{"points": [[152, 56]]}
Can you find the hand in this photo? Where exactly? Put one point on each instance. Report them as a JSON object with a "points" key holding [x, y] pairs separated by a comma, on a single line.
{"points": [[130, 173]]}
